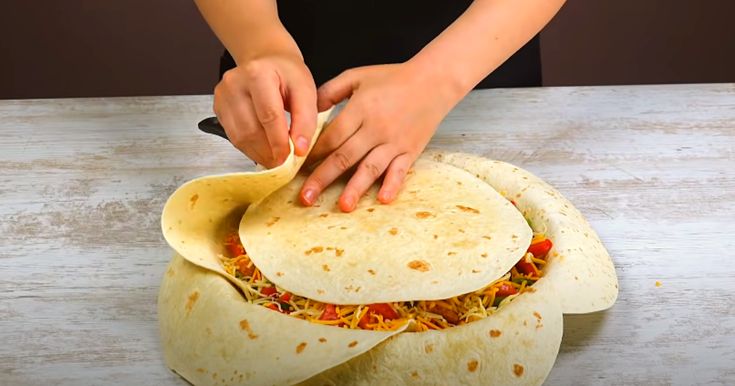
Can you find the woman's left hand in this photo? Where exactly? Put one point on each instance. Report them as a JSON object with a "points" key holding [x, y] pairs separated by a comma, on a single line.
{"points": [[392, 113]]}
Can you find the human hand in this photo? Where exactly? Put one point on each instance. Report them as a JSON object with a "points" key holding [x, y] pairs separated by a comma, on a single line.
{"points": [[250, 101], [392, 113]]}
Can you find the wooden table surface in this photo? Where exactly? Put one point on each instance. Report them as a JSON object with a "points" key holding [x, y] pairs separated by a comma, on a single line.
{"points": [[83, 182]]}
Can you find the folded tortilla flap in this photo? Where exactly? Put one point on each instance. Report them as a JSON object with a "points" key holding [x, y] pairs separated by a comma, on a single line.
{"points": [[212, 335], [198, 213], [447, 234], [517, 345], [580, 267]]}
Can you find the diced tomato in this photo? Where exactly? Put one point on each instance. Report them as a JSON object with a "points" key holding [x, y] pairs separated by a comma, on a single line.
{"points": [[514, 203], [272, 307], [506, 290], [329, 313], [234, 246], [285, 297], [269, 291], [383, 309], [525, 266], [245, 267], [363, 322], [541, 248]]}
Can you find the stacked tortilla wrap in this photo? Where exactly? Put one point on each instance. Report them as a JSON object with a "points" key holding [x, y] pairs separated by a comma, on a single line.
{"points": [[452, 231]]}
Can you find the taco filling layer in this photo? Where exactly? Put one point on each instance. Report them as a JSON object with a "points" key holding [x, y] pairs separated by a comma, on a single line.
{"points": [[427, 315]]}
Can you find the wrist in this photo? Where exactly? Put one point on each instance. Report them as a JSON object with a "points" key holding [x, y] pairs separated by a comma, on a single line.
{"points": [[274, 41], [438, 80]]}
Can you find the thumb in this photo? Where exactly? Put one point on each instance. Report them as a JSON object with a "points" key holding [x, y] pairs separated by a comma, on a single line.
{"points": [[337, 89]]}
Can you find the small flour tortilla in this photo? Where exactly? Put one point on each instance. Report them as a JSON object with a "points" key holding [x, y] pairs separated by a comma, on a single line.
{"points": [[447, 234], [580, 267], [212, 335], [200, 213]]}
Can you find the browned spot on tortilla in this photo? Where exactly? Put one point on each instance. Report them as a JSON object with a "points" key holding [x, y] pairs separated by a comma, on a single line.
{"points": [[324, 215], [325, 267], [429, 348], [279, 274], [484, 255], [423, 214], [460, 230], [370, 209], [415, 374], [495, 333], [514, 237], [320, 291], [517, 369], [300, 348], [214, 375], [352, 344], [314, 250], [343, 227], [419, 265], [273, 221], [338, 252], [450, 253], [476, 271], [393, 231], [208, 331], [371, 271], [537, 315], [322, 340], [436, 237], [472, 365], [539, 325], [190, 302], [193, 200], [245, 326], [487, 237], [468, 209], [525, 323]]}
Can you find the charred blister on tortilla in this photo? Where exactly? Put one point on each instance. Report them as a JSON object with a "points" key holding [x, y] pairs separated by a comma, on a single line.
{"points": [[426, 315]]}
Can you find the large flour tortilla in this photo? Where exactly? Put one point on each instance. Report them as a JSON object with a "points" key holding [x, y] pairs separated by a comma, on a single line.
{"points": [[212, 335], [515, 346], [580, 267], [447, 234]]}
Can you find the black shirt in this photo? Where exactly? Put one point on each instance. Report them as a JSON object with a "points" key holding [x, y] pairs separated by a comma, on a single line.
{"points": [[336, 35]]}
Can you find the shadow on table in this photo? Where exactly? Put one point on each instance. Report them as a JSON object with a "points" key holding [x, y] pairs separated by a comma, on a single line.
{"points": [[580, 331]]}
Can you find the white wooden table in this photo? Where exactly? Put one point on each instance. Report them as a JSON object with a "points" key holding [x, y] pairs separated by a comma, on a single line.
{"points": [[83, 181]]}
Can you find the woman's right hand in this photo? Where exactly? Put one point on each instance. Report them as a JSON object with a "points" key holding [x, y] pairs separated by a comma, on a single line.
{"points": [[250, 102]]}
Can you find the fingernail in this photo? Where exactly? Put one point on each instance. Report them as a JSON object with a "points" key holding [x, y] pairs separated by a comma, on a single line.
{"points": [[309, 196], [349, 202], [384, 196], [302, 144]]}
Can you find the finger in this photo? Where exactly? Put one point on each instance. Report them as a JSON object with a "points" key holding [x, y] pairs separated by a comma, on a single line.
{"points": [[244, 131], [268, 102], [337, 89], [336, 133], [335, 165], [394, 178], [302, 105], [369, 170]]}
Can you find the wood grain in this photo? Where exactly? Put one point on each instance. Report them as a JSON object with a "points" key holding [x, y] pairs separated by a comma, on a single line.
{"points": [[83, 181]]}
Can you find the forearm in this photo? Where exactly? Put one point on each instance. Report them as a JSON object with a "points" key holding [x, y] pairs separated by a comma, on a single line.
{"points": [[248, 28], [480, 40]]}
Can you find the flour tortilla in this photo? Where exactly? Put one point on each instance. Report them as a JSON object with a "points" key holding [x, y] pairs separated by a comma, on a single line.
{"points": [[580, 268], [199, 214], [212, 335], [447, 234], [515, 346]]}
